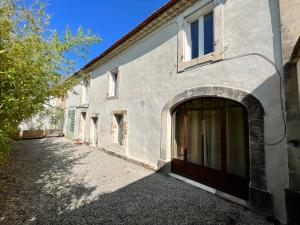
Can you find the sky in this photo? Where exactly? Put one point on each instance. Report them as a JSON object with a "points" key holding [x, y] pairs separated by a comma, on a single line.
{"points": [[109, 19]]}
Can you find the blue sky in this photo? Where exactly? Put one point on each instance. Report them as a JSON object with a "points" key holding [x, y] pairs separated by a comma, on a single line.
{"points": [[109, 19]]}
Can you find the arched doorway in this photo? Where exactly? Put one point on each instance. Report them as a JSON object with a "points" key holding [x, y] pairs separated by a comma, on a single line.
{"points": [[211, 144], [260, 198]]}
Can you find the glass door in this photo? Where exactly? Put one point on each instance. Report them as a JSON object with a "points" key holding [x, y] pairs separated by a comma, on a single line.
{"points": [[204, 138], [211, 145]]}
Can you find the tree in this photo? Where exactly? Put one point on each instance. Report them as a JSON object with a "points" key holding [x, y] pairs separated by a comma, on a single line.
{"points": [[33, 62]]}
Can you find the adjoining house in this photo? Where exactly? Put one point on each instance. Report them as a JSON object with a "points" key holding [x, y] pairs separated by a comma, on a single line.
{"points": [[195, 90], [292, 91], [47, 123], [290, 38]]}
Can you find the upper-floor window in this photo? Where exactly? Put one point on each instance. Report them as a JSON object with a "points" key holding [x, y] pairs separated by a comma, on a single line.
{"points": [[113, 83], [85, 89], [200, 36]]}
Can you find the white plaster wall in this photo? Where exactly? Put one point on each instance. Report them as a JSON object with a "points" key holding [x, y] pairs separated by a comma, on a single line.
{"points": [[290, 26], [149, 79], [38, 121], [73, 97]]}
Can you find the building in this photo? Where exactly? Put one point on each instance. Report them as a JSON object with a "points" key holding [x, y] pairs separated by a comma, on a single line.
{"points": [[290, 32], [196, 90], [292, 91], [44, 124]]}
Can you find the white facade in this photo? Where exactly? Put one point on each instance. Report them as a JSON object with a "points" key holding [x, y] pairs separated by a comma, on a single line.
{"points": [[151, 74], [43, 121]]}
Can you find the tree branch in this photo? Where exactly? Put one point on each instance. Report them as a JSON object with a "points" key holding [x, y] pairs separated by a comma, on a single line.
{"points": [[3, 51]]}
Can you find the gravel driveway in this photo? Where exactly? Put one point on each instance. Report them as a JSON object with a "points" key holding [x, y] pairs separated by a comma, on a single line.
{"points": [[53, 181]]}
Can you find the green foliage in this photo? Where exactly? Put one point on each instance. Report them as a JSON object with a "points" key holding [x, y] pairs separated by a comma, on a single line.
{"points": [[55, 115], [5, 145], [33, 61], [57, 118]]}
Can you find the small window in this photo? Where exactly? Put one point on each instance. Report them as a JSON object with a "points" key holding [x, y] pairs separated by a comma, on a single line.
{"points": [[94, 131], [119, 122], [113, 84], [85, 89], [201, 40]]}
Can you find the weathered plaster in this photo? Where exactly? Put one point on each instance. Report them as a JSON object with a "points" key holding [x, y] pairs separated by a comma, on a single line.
{"points": [[290, 26]]}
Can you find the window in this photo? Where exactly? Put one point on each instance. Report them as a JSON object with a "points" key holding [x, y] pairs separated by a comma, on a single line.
{"points": [[119, 126], [113, 83], [85, 92], [201, 38], [94, 131], [119, 130], [82, 126], [71, 118]]}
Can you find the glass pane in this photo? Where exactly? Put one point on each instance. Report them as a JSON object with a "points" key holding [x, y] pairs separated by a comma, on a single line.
{"points": [[119, 119], [115, 78], [195, 39], [113, 85], [95, 135], [237, 154], [178, 152], [195, 136], [208, 33], [212, 139], [204, 133]]}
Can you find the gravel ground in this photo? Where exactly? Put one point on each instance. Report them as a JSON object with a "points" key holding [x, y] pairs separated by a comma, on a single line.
{"points": [[53, 181]]}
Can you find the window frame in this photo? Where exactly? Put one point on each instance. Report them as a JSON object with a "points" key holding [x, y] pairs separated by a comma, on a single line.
{"points": [[201, 40], [114, 72], [198, 15], [184, 50], [116, 145], [119, 121], [85, 91]]}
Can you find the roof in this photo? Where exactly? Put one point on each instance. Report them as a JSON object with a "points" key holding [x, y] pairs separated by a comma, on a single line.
{"points": [[137, 29]]}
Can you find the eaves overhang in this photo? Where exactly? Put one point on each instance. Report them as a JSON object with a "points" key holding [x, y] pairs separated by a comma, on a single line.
{"points": [[163, 15]]}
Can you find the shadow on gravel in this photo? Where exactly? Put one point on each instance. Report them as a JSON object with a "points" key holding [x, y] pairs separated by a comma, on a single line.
{"points": [[49, 196], [35, 181], [157, 199]]}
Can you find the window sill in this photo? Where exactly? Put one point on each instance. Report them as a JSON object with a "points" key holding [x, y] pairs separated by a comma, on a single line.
{"points": [[83, 105], [208, 58], [112, 97]]}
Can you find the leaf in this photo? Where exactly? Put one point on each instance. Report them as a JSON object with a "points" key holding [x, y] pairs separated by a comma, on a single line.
{"points": [[3, 51], [34, 60]]}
